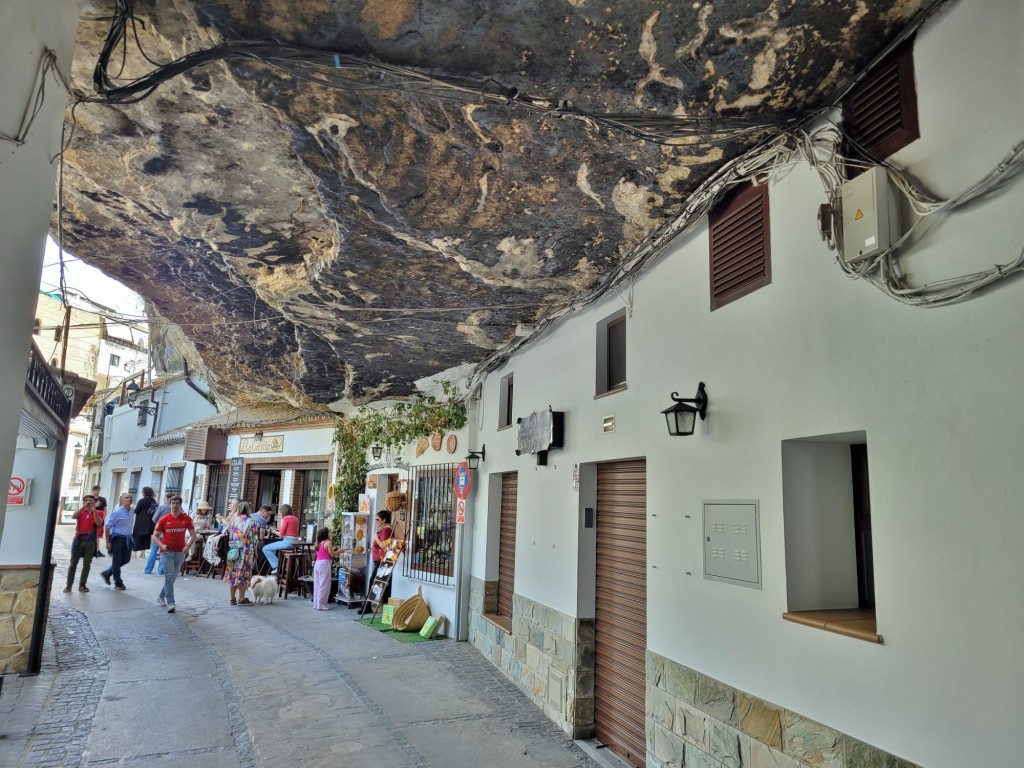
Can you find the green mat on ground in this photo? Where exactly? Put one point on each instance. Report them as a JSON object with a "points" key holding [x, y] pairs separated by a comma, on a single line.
{"points": [[402, 637]]}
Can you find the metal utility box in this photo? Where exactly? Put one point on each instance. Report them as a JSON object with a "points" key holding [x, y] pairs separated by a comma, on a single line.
{"points": [[870, 215], [732, 542]]}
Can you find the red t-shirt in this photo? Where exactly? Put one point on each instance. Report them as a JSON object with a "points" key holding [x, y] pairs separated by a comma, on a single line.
{"points": [[89, 521], [289, 526], [173, 530], [377, 550]]}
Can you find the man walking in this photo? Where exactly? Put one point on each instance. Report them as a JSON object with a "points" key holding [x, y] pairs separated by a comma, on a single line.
{"points": [[84, 546], [161, 510], [170, 536], [119, 540], [100, 512]]}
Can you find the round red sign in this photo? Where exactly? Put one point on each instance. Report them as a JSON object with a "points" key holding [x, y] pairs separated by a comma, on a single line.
{"points": [[463, 480]]}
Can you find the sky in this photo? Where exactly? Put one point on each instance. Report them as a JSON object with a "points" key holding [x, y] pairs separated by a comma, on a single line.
{"points": [[88, 281]]}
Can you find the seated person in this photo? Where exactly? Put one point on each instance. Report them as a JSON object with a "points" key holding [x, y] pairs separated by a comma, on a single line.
{"points": [[289, 533], [203, 521]]}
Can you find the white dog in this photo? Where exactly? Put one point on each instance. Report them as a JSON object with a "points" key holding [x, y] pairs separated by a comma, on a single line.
{"points": [[263, 588]]}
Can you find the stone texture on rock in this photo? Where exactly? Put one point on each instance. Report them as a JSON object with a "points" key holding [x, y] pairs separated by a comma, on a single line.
{"points": [[316, 243]]}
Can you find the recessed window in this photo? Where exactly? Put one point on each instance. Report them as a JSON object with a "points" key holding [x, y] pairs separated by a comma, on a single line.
{"points": [[740, 245], [36, 327], [880, 112], [143, 414], [115, 360], [611, 353], [58, 333], [827, 518], [505, 402]]}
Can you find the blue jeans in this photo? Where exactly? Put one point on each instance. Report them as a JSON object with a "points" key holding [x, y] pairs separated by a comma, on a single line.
{"points": [[151, 560], [171, 563], [270, 551], [120, 554]]}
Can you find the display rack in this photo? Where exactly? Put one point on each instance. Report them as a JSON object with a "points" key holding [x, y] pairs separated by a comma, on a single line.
{"points": [[355, 543]]}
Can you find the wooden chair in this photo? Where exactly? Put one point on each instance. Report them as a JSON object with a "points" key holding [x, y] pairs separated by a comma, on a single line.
{"points": [[294, 564]]}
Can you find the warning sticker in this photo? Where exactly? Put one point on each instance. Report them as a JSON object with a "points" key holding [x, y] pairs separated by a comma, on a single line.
{"points": [[859, 216]]}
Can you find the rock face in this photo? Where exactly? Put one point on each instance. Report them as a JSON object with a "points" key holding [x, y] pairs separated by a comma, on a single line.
{"points": [[317, 243]]}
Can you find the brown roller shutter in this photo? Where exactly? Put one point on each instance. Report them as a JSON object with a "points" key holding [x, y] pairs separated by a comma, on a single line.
{"points": [[621, 609], [507, 543], [298, 483], [252, 479]]}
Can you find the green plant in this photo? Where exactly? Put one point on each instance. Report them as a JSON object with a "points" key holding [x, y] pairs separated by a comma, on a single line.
{"points": [[91, 458], [393, 427]]}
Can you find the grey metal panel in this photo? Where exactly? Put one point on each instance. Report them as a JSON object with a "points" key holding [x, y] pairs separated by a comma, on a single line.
{"points": [[732, 542]]}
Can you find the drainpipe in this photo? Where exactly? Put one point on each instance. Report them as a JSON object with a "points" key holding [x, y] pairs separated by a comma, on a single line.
{"points": [[35, 651]]}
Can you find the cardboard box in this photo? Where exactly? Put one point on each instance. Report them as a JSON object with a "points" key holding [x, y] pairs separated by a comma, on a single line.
{"points": [[396, 601], [432, 625], [388, 615]]}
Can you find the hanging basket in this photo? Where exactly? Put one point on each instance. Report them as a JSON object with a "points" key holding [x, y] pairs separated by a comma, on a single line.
{"points": [[394, 501], [411, 615]]}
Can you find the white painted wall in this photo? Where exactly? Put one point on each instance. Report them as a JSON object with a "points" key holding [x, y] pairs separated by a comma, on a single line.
{"points": [[26, 186], [815, 354], [22, 543]]}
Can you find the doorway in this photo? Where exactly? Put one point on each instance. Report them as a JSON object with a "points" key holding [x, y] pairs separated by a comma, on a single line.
{"points": [[620, 609], [268, 488]]}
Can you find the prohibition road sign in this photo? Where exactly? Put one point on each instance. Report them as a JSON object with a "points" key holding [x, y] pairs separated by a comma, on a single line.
{"points": [[463, 480]]}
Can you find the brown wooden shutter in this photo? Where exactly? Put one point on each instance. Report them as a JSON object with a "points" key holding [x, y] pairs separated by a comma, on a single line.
{"points": [[740, 245], [621, 609], [250, 486], [880, 113], [298, 488], [507, 543]]}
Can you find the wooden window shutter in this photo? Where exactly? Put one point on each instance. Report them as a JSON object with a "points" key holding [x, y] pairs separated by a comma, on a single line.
{"points": [[880, 113], [740, 245]]}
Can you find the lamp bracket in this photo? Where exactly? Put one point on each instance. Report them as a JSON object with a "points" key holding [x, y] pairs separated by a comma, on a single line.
{"points": [[701, 400]]}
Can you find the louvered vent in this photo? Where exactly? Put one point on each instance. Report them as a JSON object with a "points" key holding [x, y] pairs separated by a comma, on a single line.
{"points": [[205, 445], [880, 114], [740, 246]]}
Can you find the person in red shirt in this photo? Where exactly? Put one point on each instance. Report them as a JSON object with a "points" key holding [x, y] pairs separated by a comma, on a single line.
{"points": [[289, 533], [83, 548], [174, 532]]}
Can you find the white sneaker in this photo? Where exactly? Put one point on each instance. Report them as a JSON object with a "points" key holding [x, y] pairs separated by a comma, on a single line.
{"points": [[161, 602]]}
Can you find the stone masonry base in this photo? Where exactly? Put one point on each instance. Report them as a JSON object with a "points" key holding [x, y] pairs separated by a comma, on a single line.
{"points": [[18, 588], [692, 720]]}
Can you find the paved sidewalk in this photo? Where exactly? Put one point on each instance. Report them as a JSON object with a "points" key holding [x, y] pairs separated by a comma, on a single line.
{"points": [[216, 686]]}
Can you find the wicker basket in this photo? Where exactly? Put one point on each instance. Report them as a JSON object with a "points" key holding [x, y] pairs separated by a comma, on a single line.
{"points": [[412, 614], [394, 501]]}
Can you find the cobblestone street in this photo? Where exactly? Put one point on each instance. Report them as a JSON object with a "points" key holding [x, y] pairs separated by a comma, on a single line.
{"points": [[125, 683]]}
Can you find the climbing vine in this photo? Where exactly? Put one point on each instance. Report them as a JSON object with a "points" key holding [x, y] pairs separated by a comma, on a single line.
{"points": [[391, 427]]}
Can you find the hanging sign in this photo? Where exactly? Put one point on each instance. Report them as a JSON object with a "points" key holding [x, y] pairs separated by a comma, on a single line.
{"points": [[235, 479], [460, 511], [463, 480]]}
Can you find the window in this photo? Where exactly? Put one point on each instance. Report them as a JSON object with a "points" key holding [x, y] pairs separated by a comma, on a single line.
{"points": [[173, 486], [115, 360], [505, 402], [431, 538], [740, 245], [611, 353], [141, 419], [36, 327], [133, 482], [314, 496], [827, 519], [156, 480], [58, 333], [880, 112]]}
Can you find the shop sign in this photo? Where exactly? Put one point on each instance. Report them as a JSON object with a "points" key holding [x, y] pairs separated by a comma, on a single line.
{"points": [[235, 479], [460, 511], [265, 444]]}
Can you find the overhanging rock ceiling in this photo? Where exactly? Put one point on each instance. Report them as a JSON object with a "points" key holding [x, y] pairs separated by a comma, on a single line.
{"points": [[317, 243]]}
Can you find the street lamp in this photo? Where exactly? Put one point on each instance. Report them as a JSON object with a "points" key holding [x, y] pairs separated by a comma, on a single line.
{"points": [[682, 416], [132, 392]]}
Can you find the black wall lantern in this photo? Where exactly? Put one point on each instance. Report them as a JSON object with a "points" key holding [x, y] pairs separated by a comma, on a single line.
{"points": [[682, 416], [377, 451], [475, 457], [132, 394]]}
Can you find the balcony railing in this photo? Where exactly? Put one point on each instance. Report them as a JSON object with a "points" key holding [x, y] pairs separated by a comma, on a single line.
{"points": [[42, 383]]}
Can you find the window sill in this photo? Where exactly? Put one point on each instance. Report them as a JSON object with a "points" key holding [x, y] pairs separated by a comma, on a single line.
{"points": [[503, 427], [852, 623], [504, 623], [612, 391]]}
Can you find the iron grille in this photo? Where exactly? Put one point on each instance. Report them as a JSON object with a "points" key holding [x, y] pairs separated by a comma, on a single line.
{"points": [[431, 552]]}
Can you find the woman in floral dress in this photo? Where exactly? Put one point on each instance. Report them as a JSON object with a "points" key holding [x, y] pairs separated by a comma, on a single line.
{"points": [[243, 533]]}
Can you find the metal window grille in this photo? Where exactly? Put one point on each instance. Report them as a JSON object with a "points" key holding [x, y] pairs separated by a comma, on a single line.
{"points": [[133, 483], [174, 481], [431, 552], [217, 492]]}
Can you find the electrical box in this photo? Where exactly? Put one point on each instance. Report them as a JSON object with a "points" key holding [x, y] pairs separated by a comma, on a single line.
{"points": [[732, 542], [870, 215]]}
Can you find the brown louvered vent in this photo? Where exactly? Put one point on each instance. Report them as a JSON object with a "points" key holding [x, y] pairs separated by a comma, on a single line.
{"points": [[880, 113], [205, 445], [740, 245]]}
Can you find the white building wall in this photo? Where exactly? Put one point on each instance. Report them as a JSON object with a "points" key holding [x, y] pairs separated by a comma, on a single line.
{"points": [[22, 542], [26, 184], [816, 354]]}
